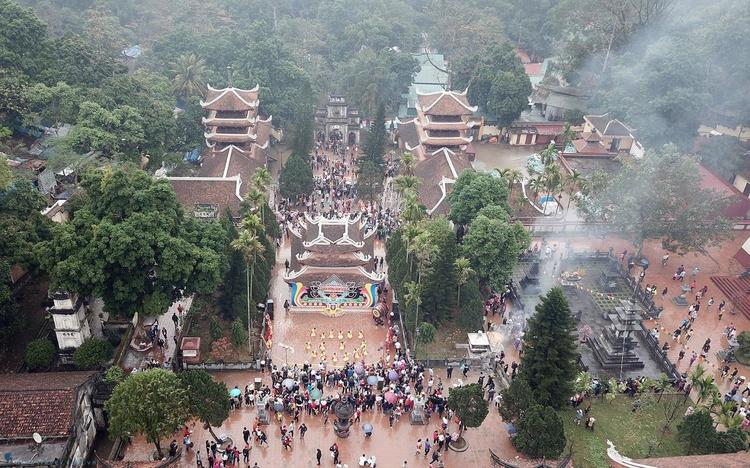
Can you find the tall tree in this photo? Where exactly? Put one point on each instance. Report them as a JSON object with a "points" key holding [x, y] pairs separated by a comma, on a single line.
{"points": [[549, 358], [374, 147], [369, 180], [207, 399], [131, 245], [494, 245], [496, 80], [659, 197], [249, 245], [151, 402], [472, 192], [189, 76], [296, 177]]}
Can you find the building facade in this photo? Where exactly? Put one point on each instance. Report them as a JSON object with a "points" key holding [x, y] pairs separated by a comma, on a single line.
{"points": [[332, 267], [237, 139], [71, 320], [337, 122]]}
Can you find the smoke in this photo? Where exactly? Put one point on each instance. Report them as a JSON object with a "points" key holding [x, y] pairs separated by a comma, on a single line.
{"points": [[691, 66]]}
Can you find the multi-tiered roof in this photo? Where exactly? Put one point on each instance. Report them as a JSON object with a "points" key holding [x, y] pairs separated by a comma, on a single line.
{"points": [[237, 139], [443, 121]]}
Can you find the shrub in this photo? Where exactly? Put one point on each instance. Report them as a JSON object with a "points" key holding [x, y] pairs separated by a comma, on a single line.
{"points": [[239, 334], [114, 375], [426, 332], [39, 354], [215, 328], [92, 353]]}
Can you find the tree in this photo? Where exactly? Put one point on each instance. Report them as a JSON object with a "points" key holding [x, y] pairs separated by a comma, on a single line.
{"points": [[662, 384], [152, 402], [207, 399], [92, 353], [407, 164], [549, 358], [239, 333], [115, 375], [472, 192], [469, 404], [723, 155], [496, 81], [302, 131], [130, 244], [683, 216], [540, 433], [697, 432], [39, 354], [369, 180], [296, 177], [374, 146], [494, 245], [426, 332], [463, 272], [189, 76], [251, 249], [517, 398]]}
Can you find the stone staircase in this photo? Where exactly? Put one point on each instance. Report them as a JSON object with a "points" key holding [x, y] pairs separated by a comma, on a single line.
{"points": [[737, 291]]}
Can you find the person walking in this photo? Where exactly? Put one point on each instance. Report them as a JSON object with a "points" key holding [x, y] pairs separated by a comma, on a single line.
{"points": [[449, 371], [318, 456], [693, 357], [302, 430], [419, 447], [245, 435]]}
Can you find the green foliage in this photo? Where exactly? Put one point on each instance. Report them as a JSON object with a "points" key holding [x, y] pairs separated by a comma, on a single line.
{"points": [[40, 354], [374, 146], [494, 245], [207, 399], [540, 433], [723, 155], [697, 432], [114, 375], [129, 226], [426, 332], [215, 328], [92, 353], [239, 333], [683, 216], [369, 180], [549, 359], [517, 398], [303, 130], [472, 192], [469, 404], [296, 177], [22, 226], [496, 81], [152, 402], [743, 350]]}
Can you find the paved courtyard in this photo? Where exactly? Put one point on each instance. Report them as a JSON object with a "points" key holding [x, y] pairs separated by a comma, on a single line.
{"points": [[390, 445]]}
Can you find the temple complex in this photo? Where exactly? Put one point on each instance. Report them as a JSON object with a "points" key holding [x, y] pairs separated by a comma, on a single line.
{"points": [[337, 122], [237, 139], [332, 269], [439, 137], [443, 121]]}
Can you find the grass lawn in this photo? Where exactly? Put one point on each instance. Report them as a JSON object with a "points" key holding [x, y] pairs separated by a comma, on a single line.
{"points": [[635, 435]]}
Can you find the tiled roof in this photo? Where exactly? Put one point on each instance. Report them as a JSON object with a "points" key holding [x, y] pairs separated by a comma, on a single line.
{"points": [[723, 460], [230, 99], [42, 403], [608, 126], [222, 192], [533, 69], [445, 103], [737, 291], [408, 133], [438, 172]]}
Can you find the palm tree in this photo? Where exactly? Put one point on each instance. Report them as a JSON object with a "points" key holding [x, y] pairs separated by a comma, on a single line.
{"points": [[536, 184], [661, 385], [189, 73], [412, 210], [463, 272], [250, 247], [514, 176], [257, 200], [727, 416], [407, 164], [408, 233], [252, 223], [568, 134], [424, 251], [403, 183], [573, 181], [413, 297], [262, 179]]}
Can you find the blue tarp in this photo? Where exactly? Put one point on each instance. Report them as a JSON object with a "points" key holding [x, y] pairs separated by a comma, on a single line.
{"points": [[192, 156]]}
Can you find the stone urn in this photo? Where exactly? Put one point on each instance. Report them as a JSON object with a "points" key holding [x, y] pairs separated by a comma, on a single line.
{"points": [[343, 409]]}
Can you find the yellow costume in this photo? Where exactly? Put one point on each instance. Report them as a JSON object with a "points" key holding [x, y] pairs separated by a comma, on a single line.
{"points": [[349, 335], [330, 334], [312, 332], [341, 336]]}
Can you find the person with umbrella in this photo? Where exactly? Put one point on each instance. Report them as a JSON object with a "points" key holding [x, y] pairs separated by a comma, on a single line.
{"points": [[367, 428]]}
